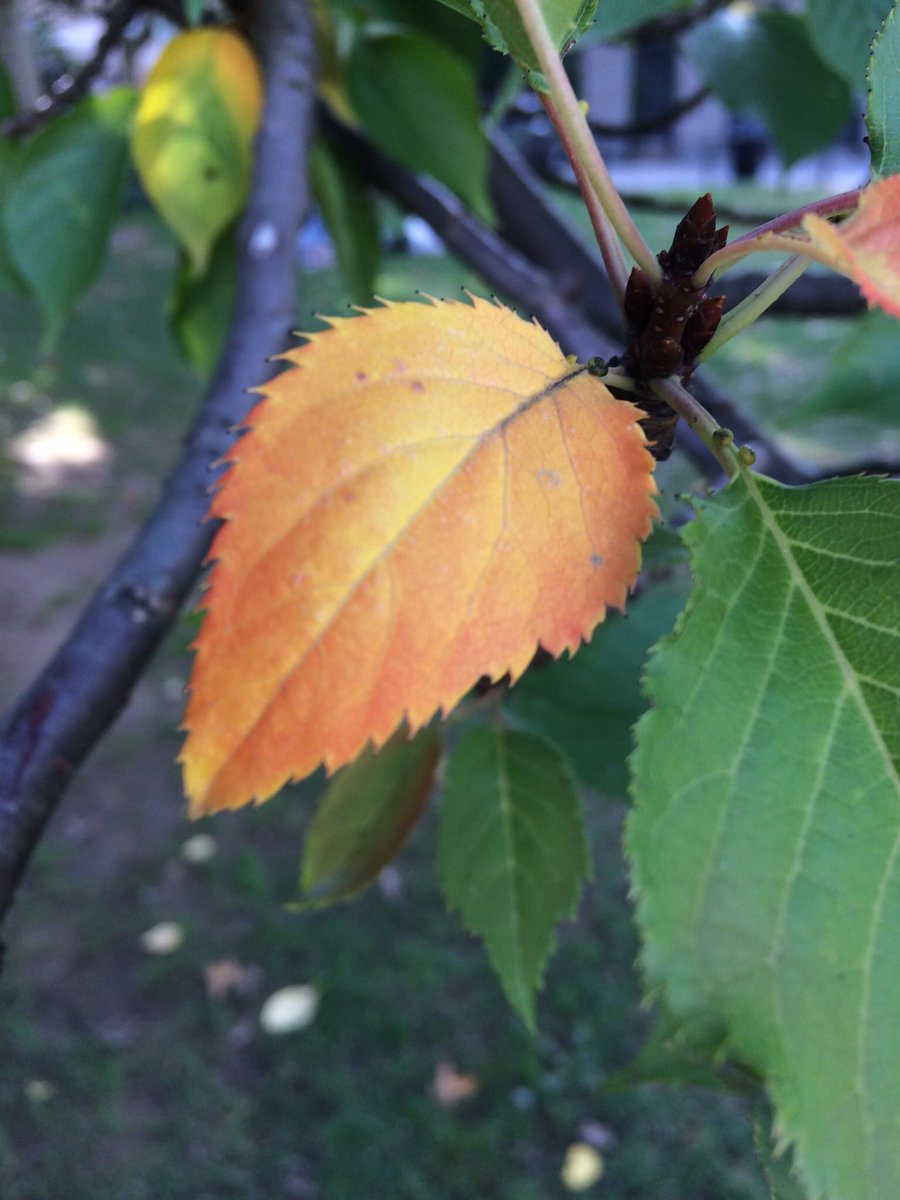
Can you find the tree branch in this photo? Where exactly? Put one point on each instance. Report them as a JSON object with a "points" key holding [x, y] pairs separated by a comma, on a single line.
{"points": [[87, 683], [580, 324], [636, 128], [524, 282], [72, 87], [530, 223]]}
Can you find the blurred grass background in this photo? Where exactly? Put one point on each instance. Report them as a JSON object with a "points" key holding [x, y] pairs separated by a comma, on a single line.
{"points": [[125, 1077]]}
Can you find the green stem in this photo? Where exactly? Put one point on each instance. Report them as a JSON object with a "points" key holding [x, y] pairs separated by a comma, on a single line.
{"points": [[610, 248], [735, 251], [717, 440], [753, 306], [624, 383], [581, 140]]}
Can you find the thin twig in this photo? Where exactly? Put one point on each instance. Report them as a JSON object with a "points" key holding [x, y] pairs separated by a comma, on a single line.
{"points": [[507, 265], [610, 250], [74, 700], [580, 140], [830, 206], [654, 124], [530, 222], [517, 278], [62, 97]]}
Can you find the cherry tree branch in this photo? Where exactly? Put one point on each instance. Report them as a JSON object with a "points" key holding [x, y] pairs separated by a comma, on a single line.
{"points": [[573, 301], [72, 87], [670, 116], [66, 710]]}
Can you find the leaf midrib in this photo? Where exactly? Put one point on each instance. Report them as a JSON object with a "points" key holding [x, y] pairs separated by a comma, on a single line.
{"points": [[492, 432], [818, 611]]}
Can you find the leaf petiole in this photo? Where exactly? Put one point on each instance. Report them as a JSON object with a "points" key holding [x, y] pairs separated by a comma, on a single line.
{"points": [[832, 206], [776, 235], [719, 441], [766, 243], [607, 240], [580, 144], [752, 307]]}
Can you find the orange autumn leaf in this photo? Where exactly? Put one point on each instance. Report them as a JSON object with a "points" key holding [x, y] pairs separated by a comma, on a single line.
{"points": [[428, 494], [866, 246]]}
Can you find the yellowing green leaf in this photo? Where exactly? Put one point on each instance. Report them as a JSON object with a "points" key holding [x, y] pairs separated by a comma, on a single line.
{"points": [[430, 493], [199, 110]]}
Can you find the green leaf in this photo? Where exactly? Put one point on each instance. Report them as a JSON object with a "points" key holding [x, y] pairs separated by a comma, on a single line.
{"points": [[765, 837], [513, 852], [366, 814], [438, 22], [9, 157], [349, 213], [776, 1165], [193, 136], [669, 1057], [615, 17], [194, 10], [883, 109], [764, 63], [420, 106], [567, 20], [200, 308], [63, 198], [587, 705], [842, 32]]}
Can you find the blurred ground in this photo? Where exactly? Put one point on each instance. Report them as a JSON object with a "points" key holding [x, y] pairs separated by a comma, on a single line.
{"points": [[129, 1075]]}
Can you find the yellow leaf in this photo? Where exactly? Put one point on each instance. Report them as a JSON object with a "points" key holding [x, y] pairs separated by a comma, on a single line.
{"points": [[866, 246], [430, 493], [197, 116]]}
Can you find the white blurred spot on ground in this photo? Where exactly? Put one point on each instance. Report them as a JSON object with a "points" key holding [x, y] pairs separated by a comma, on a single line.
{"points": [[582, 1167], [164, 938], [290, 1009], [58, 451]]}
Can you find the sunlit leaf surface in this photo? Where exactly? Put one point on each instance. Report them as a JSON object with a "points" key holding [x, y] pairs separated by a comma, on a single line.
{"points": [[430, 493]]}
